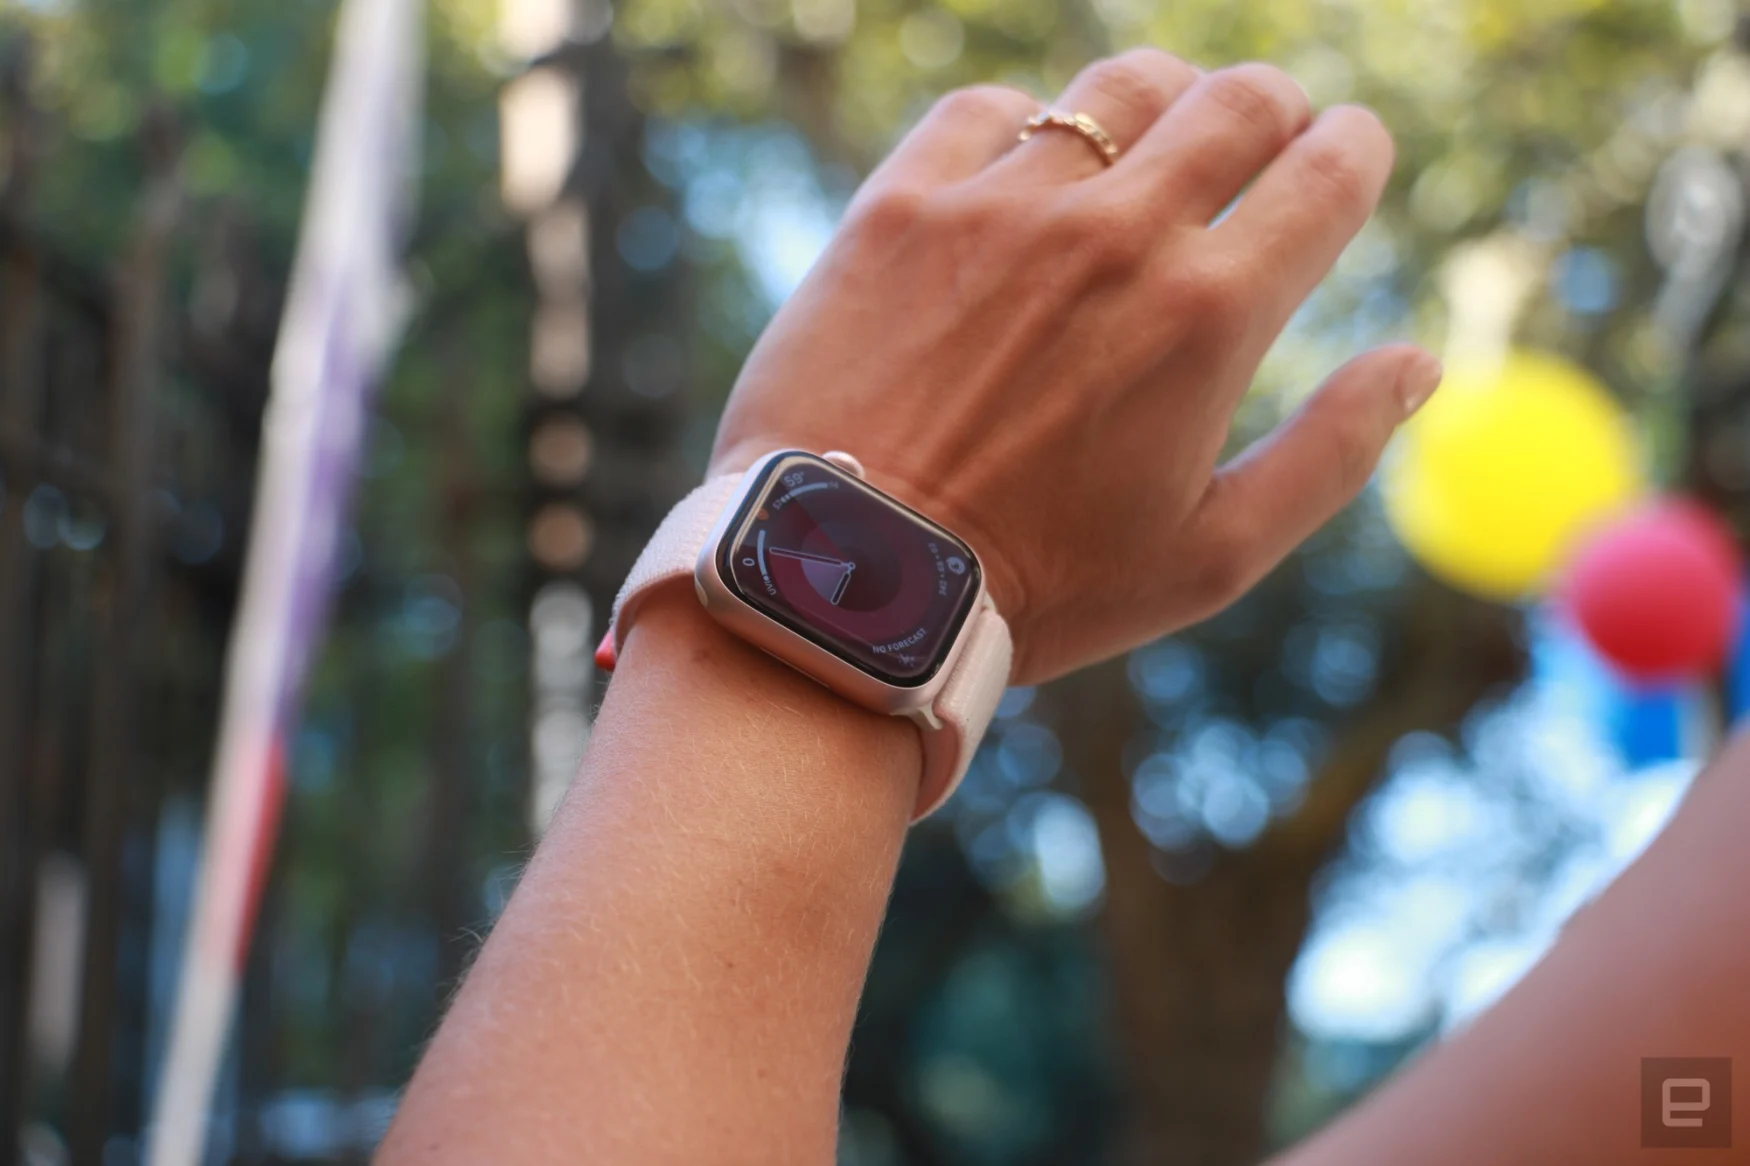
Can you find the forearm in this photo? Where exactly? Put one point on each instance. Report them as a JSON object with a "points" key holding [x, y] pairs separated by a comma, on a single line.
{"points": [[676, 977], [1657, 967]]}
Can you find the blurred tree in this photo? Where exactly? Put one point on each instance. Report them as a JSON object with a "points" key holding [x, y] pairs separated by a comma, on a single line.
{"points": [[1222, 767], [406, 776]]}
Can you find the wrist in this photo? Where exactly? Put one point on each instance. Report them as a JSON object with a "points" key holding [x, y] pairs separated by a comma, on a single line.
{"points": [[799, 745]]}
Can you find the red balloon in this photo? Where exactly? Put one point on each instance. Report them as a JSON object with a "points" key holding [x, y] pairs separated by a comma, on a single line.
{"points": [[1657, 593]]}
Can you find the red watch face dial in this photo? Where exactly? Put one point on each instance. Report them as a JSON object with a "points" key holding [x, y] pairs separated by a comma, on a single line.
{"points": [[850, 569]]}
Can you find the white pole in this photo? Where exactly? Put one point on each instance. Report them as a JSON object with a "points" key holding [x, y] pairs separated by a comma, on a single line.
{"points": [[344, 308]]}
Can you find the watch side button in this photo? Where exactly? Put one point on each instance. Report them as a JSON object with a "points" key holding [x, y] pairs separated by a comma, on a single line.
{"points": [[844, 461]]}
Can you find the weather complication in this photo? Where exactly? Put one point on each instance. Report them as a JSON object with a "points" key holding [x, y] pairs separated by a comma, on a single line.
{"points": [[872, 582]]}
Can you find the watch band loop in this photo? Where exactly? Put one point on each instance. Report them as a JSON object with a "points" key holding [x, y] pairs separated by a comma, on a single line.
{"points": [[672, 551]]}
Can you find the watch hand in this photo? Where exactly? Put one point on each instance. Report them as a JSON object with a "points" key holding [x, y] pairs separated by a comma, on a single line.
{"points": [[831, 588], [807, 557]]}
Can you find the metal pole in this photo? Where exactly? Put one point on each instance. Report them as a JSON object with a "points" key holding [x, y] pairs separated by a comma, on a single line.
{"points": [[114, 769], [20, 392]]}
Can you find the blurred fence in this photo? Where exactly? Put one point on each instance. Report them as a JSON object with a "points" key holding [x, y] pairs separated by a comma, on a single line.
{"points": [[132, 381], [127, 430]]}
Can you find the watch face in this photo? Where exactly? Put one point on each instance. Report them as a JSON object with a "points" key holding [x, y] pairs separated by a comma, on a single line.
{"points": [[848, 568]]}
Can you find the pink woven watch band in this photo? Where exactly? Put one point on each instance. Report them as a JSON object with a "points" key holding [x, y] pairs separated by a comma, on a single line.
{"points": [[673, 551], [975, 687]]}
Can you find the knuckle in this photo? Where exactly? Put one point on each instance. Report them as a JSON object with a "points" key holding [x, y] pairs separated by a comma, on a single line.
{"points": [[1333, 170], [1350, 161], [1365, 125], [883, 216], [1223, 567], [982, 103], [1157, 63], [1354, 445], [1134, 82], [1263, 98], [1211, 295]]}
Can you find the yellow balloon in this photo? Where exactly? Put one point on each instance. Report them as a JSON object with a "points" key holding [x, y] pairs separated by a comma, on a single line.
{"points": [[1499, 474]]}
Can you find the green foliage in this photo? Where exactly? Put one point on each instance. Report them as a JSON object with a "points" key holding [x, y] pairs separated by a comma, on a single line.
{"points": [[1539, 122], [348, 983], [1549, 116], [1546, 116]]}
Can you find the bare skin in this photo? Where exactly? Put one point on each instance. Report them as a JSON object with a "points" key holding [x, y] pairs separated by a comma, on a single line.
{"points": [[675, 979], [1657, 966], [1043, 354]]}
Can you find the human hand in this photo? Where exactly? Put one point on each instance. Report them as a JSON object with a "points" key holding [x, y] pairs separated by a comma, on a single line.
{"points": [[1044, 354]]}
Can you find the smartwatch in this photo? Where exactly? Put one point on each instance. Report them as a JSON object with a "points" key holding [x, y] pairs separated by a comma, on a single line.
{"points": [[805, 560]]}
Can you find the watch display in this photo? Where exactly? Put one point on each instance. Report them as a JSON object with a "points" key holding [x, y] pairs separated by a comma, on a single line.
{"points": [[873, 582]]}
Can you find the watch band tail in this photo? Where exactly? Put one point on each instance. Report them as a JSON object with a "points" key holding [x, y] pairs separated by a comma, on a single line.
{"points": [[965, 708]]}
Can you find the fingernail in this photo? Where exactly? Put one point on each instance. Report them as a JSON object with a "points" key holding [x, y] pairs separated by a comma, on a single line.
{"points": [[1418, 382]]}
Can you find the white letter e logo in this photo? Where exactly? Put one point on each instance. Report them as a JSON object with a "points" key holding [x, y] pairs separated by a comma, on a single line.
{"points": [[1675, 1106]]}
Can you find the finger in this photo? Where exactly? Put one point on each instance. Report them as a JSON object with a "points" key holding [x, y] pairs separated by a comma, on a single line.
{"points": [[1215, 139], [1267, 501], [1308, 204], [1124, 94], [963, 133]]}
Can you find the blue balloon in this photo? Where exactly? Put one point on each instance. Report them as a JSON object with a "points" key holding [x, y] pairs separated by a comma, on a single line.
{"points": [[1738, 674], [1646, 725]]}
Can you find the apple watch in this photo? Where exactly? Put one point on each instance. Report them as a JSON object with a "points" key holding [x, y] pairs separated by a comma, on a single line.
{"points": [[805, 560]]}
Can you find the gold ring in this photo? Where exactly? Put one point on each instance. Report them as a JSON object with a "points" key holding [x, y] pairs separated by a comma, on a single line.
{"points": [[1079, 124]]}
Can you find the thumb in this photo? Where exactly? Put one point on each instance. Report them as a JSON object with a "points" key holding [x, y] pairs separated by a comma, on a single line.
{"points": [[1267, 501]]}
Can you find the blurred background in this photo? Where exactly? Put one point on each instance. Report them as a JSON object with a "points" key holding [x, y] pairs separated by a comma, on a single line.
{"points": [[1188, 904]]}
